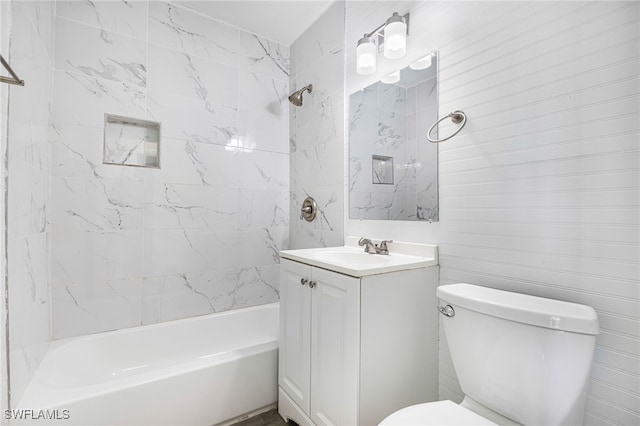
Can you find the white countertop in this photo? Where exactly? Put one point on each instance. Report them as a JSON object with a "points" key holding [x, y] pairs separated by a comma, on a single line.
{"points": [[352, 260]]}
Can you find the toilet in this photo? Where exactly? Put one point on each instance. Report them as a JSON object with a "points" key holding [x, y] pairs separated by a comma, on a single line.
{"points": [[520, 360]]}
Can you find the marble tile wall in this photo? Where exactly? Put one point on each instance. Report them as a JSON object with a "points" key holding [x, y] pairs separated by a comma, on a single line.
{"points": [[316, 131], [201, 234], [29, 27], [378, 125]]}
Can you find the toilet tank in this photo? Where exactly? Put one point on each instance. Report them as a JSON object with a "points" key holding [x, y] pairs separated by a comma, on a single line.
{"points": [[527, 358]]}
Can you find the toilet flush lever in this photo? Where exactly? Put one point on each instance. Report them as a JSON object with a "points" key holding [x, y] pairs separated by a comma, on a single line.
{"points": [[447, 311]]}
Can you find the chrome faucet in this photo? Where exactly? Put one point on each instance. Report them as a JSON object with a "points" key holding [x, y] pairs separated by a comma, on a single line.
{"points": [[374, 248]]}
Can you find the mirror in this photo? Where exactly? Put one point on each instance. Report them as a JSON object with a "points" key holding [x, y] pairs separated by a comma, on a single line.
{"points": [[393, 168]]}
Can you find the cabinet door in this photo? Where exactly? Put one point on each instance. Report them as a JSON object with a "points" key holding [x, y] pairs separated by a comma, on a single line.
{"points": [[335, 348], [295, 315]]}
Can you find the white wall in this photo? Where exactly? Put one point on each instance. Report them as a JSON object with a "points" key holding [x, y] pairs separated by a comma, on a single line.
{"points": [[539, 192], [28, 203], [316, 131], [136, 246]]}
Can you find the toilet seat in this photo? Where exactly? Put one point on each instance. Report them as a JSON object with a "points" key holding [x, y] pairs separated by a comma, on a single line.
{"points": [[435, 413]]}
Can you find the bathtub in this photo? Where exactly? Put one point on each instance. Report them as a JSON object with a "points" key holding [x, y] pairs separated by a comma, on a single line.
{"points": [[205, 370]]}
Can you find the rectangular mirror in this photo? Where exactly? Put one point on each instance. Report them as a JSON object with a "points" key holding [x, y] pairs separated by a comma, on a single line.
{"points": [[393, 168]]}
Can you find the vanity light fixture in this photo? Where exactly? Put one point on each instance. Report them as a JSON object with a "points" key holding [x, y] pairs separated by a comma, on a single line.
{"points": [[392, 78], [422, 63], [390, 38]]}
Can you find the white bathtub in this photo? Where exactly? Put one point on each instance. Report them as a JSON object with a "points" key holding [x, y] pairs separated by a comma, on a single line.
{"points": [[198, 371]]}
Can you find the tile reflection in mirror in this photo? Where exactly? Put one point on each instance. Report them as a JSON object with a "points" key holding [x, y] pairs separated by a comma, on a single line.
{"points": [[389, 121]]}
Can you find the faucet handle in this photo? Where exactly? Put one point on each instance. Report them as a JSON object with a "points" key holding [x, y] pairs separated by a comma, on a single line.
{"points": [[363, 241], [383, 245], [369, 247]]}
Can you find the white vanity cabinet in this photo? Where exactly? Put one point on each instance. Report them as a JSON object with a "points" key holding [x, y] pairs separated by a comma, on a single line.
{"points": [[319, 342], [355, 349]]}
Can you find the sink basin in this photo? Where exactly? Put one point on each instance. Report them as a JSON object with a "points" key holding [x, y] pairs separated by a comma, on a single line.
{"points": [[360, 258], [352, 260]]}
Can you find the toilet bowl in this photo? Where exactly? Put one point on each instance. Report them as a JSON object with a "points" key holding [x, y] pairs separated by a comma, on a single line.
{"points": [[520, 360], [441, 413]]}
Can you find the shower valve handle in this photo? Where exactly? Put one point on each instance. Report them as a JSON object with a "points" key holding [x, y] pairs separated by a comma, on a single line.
{"points": [[309, 209], [305, 210]]}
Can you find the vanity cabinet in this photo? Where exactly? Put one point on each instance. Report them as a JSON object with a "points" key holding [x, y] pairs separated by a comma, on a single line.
{"points": [[319, 310], [355, 349]]}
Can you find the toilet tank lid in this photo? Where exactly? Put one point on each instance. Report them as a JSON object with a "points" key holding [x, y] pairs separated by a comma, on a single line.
{"points": [[524, 308]]}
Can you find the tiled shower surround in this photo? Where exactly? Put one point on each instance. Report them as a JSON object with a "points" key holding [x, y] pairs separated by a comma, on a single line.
{"points": [[201, 234], [29, 26], [316, 131]]}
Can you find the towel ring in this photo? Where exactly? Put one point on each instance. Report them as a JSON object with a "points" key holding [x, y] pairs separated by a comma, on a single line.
{"points": [[456, 117]]}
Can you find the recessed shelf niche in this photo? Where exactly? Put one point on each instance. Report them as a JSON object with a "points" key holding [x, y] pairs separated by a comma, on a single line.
{"points": [[382, 169], [131, 142]]}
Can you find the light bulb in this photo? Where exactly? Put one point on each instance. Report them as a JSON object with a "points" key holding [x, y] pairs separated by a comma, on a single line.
{"points": [[366, 56]]}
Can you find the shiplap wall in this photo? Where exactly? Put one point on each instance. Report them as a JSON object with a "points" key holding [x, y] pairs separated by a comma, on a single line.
{"points": [[539, 193]]}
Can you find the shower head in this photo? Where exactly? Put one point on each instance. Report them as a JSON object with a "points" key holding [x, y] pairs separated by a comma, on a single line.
{"points": [[296, 97]]}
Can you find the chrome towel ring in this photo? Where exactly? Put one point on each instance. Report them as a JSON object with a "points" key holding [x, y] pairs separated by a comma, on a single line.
{"points": [[458, 117]]}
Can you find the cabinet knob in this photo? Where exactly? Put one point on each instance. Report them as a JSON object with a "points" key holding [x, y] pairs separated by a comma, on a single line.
{"points": [[312, 284], [303, 281]]}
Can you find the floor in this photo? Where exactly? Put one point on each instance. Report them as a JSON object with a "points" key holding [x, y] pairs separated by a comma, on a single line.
{"points": [[269, 418]]}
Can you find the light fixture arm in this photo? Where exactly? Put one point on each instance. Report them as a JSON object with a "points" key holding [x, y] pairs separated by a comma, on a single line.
{"points": [[376, 31]]}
